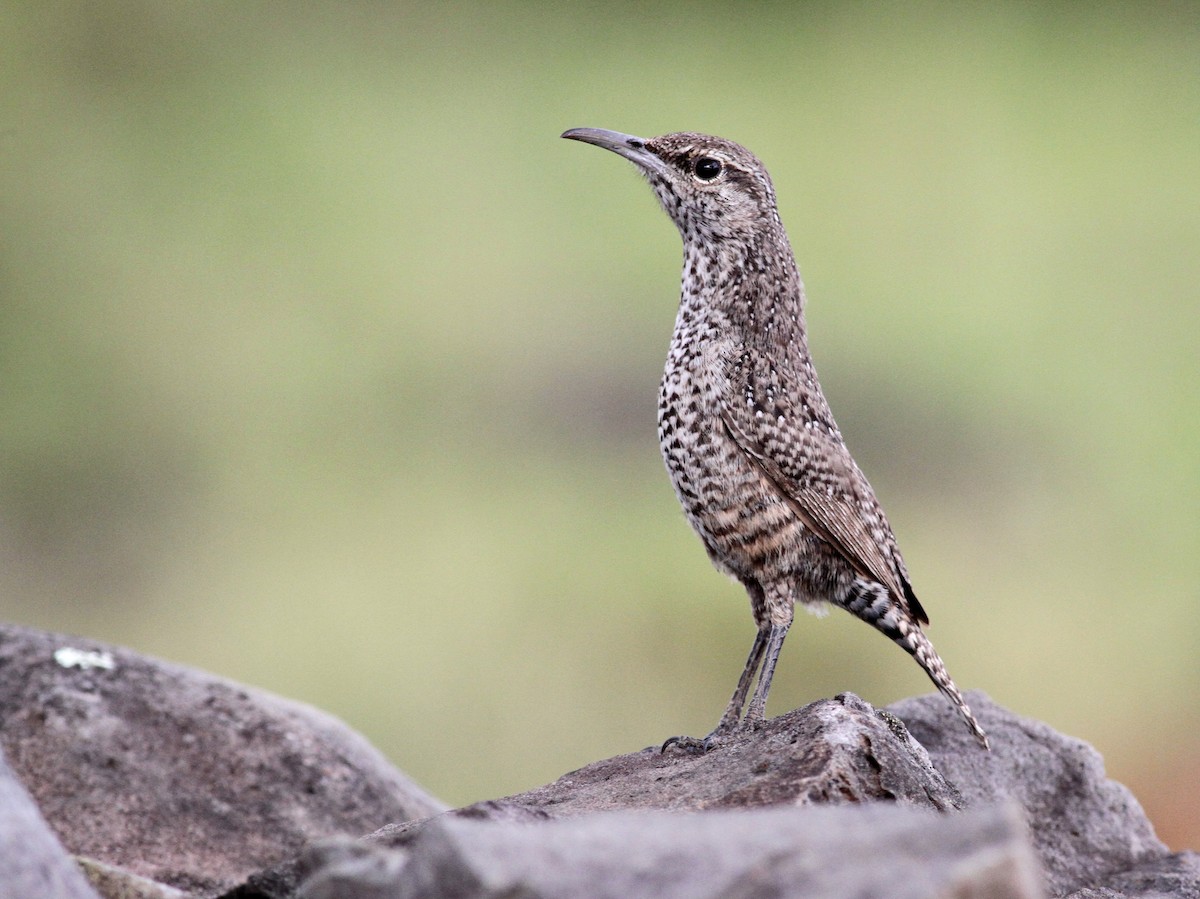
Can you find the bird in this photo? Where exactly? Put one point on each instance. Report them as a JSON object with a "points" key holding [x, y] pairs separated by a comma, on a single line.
{"points": [[751, 447]]}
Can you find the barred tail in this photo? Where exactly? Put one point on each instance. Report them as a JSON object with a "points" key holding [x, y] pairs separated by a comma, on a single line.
{"points": [[914, 641], [872, 603]]}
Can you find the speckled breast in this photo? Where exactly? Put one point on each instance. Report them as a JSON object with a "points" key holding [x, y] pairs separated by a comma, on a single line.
{"points": [[748, 528]]}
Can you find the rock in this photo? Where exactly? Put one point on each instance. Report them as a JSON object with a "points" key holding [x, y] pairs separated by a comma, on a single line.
{"points": [[832, 751], [179, 776], [875, 850], [33, 863], [1088, 831], [1175, 876], [154, 771], [350, 869], [112, 882]]}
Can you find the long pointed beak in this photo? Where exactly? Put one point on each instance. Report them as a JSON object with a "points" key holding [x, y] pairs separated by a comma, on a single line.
{"points": [[632, 148]]}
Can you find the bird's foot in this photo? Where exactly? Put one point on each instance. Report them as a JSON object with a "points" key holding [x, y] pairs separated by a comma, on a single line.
{"points": [[690, 745], [701, 745]]}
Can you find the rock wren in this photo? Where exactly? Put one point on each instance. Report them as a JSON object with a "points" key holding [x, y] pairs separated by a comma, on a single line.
{"points": [[753, 452]]}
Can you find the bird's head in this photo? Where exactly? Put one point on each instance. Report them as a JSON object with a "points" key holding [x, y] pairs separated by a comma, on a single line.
{"points": [[709, 186]]}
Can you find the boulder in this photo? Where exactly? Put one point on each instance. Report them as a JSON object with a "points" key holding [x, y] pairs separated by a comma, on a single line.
{"points": [[160, 777], [832, 751], [1089, 832], [179, 776], [33, 863], [1086, 834], [829, 852]]}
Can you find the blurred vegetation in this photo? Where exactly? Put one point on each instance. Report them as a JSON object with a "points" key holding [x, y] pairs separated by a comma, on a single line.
{"points": [[326, 366]]}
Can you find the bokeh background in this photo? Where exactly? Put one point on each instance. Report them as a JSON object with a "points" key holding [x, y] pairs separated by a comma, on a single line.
{"points": [[325, 365]]}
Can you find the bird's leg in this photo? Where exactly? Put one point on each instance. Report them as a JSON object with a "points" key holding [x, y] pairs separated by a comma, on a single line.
{"points": [[733, 712], [758, 705]]}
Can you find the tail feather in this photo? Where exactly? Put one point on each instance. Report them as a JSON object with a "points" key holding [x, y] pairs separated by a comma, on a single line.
{"points": [[914, 641], [872, 603]]}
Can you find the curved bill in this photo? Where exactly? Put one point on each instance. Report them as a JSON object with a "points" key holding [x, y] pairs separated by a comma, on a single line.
{"points": [[632, 148]]}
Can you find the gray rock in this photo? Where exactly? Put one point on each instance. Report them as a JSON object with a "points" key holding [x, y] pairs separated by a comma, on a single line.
{"points": [[877, 850], [830, 752], [833, 751], [179, 776], [1176, 876], [193, 782], [350, 869], [112, 882], [1088, 831], [33, 862]]}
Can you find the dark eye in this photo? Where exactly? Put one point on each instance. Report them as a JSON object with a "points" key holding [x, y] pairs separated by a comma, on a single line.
{"points": [[707, 168]]}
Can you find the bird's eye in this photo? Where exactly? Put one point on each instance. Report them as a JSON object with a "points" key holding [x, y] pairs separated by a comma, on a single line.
{"points": [[706, 168]]}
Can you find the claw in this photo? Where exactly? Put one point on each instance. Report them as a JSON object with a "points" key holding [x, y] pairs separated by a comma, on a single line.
{"points": [[690, 745], [699, 746]]}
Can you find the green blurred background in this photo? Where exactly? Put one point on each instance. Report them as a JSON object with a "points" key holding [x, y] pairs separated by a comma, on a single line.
{"points": [[325, 365]]}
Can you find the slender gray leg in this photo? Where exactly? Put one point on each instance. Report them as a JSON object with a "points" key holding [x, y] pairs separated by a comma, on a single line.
{"points": [[758, 705], [733, 712], [730, 721]]}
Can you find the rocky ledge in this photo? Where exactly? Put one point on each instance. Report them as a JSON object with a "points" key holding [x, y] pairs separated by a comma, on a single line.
{"points": [[127, 776]]}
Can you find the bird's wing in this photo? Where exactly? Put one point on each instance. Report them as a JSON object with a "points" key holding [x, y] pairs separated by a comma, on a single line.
{"points": [[780, 420]]}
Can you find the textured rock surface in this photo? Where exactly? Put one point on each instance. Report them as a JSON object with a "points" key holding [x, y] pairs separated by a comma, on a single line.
{"points": [[179, 776], [112, 882], [158, 771], [877, 850], [832, 751], [1088, 831], [1174, 876], [33, 863]]}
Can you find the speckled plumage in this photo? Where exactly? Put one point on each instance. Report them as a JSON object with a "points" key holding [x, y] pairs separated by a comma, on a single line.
{"points": [[750, 444]]}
